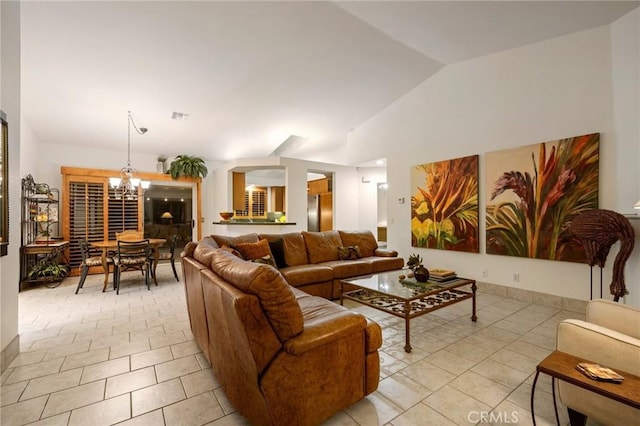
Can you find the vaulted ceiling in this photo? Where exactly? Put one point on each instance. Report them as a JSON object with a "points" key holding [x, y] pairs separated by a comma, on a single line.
{"points": [[249, 75]]}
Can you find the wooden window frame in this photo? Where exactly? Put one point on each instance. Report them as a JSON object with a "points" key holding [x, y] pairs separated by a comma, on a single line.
{"points": [[78, 174], [250, 201]]}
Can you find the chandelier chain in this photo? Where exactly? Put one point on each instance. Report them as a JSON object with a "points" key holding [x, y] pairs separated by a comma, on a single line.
{"points": [[126, 185]]}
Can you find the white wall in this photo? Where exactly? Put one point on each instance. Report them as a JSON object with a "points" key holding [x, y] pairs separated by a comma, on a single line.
{"points": [[51, 157], [10, 104], [546, 91], [345, 193], [625, 61], [625, 41], [368, 180]]}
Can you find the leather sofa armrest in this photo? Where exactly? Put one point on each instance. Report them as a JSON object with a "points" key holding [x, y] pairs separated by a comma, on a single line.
{"points": [[324, 331], [615, 316], [373, 337], [385, 253], [599, 344]]}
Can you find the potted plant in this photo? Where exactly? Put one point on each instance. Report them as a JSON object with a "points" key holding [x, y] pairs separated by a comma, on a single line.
{"points": [[414, 262], [46, 270], [188, 166]]}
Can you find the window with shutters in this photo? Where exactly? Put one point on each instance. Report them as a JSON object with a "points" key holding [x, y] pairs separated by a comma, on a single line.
{"points": [[255, 203], [92, 212], [96, 217], [258, 202], [86, 216], [123, 215]]}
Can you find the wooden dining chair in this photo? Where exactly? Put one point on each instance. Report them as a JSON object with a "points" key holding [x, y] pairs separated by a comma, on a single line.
{"points": [[130, 235], [88, 261], [170, 255], [132, 255]]}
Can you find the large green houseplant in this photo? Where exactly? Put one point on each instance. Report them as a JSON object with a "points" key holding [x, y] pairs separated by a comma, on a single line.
{"points": [[188, 166], [47, 270]]}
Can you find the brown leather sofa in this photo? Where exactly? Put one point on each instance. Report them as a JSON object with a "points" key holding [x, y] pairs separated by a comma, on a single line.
{"points": [[311, 260], [281, 355]]}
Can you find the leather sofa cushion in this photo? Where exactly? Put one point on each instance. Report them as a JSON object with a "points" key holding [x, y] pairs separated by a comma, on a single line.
{"points": [[203, 253], [324, 322], [188, 249], [381, 264], [385, 252], [349, 268], [295, 250], [299, 294], [229, 240], [307, 274], [209, 242], [363, 239], [267, 284], [322, 246]]}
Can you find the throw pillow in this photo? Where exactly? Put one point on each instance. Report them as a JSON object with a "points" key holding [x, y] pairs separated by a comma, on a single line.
{"points": [[277, 249], [231, 250], [267, 260], [251, 251], [349, 253]]}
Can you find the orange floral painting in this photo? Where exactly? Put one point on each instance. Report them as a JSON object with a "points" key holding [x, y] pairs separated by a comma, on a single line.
{"points": [[444, 205], [535, 191]]}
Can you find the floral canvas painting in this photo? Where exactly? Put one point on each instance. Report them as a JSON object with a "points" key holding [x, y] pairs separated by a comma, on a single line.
{"points": [[444, 205], [533, 194]]}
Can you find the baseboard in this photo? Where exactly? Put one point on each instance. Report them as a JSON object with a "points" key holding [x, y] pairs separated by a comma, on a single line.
{"points": [[564, 303], [9, 353]]}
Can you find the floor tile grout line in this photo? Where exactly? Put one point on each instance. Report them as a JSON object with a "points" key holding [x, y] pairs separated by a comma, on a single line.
{"points": [[442, 322]]}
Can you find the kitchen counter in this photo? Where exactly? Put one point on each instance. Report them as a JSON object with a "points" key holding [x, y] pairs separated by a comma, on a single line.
{"points": [[247, 223]]}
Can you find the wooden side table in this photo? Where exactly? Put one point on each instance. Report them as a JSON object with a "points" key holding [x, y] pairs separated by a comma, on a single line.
{"points": [[562, 366]]}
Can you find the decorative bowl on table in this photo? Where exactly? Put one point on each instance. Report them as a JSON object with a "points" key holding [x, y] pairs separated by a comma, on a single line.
{"points": [[226, 215]]}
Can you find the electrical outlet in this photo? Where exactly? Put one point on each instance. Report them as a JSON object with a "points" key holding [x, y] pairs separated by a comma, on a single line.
{"points": [[485, 273], [516, 278]]}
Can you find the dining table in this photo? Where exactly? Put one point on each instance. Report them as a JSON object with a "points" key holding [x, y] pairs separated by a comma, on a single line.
{"points": [[107, 246]]}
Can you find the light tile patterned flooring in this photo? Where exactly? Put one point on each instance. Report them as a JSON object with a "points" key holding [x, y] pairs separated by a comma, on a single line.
{"points": [[130, 359]]}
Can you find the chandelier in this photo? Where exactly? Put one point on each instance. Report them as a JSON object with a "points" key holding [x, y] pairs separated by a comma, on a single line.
{"points": [[127, 186]]}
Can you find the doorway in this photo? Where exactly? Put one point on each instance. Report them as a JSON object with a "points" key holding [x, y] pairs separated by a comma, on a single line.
{"points": [[382, 214], [168, 211], [319, 201]]}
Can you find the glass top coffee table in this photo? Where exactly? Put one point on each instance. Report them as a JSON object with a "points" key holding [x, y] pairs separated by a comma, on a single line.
{"points": [[407, 298]]}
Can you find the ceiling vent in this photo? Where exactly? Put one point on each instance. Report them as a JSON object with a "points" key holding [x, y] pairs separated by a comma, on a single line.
{"points": [[181, 116]]}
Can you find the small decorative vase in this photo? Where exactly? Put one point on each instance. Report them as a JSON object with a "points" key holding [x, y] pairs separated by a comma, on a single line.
{"points": [[421, 274], [161, 167]]}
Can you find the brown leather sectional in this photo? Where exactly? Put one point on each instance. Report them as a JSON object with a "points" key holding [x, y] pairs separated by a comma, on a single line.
{"points": [[282, 355], [312, 260]]}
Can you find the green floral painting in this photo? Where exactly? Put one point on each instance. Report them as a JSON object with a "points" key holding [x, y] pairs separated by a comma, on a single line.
{"points": [[535, 191], [444, 205]]}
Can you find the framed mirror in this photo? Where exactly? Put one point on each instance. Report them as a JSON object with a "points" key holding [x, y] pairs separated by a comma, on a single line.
{"points": [[4, 185]]}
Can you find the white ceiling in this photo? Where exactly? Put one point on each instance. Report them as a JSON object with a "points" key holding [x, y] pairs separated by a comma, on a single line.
{"points": [[252, 74]]}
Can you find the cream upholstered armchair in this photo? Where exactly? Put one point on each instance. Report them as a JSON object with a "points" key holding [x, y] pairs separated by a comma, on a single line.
{"points": [[610, 336]]}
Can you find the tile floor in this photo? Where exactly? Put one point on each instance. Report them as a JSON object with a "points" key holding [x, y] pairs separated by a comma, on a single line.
{"points": [[130, 359]]}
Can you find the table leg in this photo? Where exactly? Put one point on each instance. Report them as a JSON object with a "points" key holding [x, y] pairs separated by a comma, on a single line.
{"points": [[407, 331], [105, 267], [341, 291], [156, 257], [474, 317]]}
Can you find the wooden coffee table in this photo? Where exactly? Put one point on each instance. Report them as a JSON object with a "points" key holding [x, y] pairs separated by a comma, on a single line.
{"points": [[562, 366], [407, 298]]}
